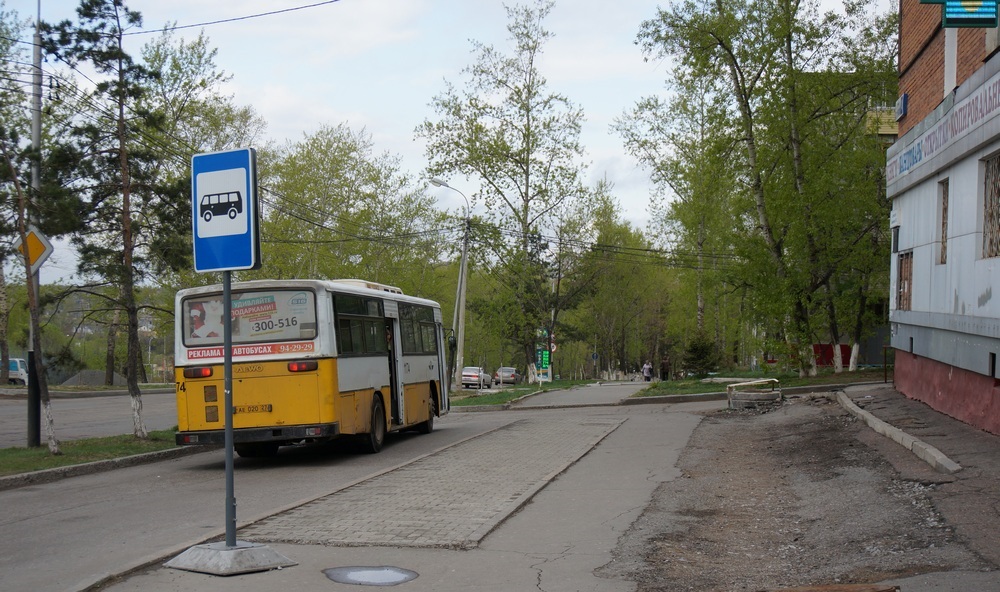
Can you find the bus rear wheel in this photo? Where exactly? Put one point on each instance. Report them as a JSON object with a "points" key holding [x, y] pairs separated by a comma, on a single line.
{"points": [[375, 438], [428, 426], [256, 449]]}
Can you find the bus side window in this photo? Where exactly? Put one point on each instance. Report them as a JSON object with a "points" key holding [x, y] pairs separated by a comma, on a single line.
{"points": [[375, 337], [428, 333], [346, 341]]}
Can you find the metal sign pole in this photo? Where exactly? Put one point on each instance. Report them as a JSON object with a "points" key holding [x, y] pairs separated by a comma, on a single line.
{"points": [[34, 393], [227, 331], [226, 243]]}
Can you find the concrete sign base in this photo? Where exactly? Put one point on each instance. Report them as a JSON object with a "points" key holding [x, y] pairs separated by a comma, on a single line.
{"points": [[221, 560]]}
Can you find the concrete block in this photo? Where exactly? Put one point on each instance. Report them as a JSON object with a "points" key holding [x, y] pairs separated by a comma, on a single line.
{"points": [[220, 559]]}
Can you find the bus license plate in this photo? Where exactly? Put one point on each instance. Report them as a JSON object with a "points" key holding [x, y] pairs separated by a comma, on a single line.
{"points": [[252, 409]]}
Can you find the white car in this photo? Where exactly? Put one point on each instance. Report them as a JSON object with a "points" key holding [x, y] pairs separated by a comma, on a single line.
{"points": [[506, 375], [473, 377], [18, 371]]}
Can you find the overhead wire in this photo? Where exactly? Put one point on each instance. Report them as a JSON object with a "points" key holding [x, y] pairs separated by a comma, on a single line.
{"points": [[233, 19]]}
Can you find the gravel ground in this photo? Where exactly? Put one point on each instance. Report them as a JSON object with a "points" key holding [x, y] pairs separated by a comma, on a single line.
{"points": [[802, 495]]}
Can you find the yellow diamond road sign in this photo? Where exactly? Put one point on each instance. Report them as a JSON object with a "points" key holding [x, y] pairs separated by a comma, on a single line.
{"points": [[39, 248]]}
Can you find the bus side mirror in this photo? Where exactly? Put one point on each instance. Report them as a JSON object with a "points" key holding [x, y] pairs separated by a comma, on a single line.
{"points": [[452, 343]]}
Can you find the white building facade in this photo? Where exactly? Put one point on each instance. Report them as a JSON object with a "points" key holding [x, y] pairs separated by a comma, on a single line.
{"points": [[943, 177]]}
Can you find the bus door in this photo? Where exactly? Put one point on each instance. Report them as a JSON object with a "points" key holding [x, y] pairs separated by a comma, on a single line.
{"points": [[395, 363]]}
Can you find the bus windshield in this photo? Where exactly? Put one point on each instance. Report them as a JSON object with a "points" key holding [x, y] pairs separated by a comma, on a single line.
{"points": [[271, 315]]}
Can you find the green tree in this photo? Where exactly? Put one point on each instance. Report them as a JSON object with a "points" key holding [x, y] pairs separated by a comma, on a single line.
{"points": [[13, 110], [700, 356], [335, 209], [117, 162], [504, 127], [798, 100], [45, 207], [194, 117], [684, 142], [622, 313]]}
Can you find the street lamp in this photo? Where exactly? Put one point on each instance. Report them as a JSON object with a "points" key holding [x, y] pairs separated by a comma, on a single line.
{"points": [[459, 316]]}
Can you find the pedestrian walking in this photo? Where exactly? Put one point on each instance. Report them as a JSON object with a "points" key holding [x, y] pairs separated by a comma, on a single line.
{"points": [[647, 371]]}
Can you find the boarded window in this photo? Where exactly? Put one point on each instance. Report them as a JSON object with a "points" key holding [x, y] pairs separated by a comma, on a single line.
{"points": [[904, 283], [991, 208], [943, 252]]}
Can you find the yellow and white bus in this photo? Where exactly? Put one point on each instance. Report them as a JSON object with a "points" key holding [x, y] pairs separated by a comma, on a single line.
{"points": [[312, 360]]}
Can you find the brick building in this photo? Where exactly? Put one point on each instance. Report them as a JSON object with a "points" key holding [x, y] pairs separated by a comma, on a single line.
{"points": [[943, 176]]}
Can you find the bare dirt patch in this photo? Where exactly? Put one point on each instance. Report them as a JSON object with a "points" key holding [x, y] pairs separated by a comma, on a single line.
{"points": [[793, 497]]}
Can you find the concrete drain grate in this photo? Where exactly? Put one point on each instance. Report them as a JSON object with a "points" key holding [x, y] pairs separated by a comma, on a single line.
{"points": [[370, 576]]}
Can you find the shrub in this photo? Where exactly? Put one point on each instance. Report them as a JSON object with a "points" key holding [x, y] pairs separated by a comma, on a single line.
{"points": [[701, 355]]}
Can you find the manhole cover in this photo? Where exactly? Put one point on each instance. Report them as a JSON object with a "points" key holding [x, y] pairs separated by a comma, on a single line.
{"points": [[370, 576]]}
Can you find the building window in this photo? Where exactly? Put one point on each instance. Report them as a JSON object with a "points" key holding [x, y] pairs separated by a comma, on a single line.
{"points": [[904, 283], [943, 248], [991, 208]]}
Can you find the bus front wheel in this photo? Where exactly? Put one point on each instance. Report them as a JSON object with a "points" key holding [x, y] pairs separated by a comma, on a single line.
{"points": [[376, 435], [207, 216]]}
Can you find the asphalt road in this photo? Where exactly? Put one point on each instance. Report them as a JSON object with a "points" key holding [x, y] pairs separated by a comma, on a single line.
{"points": [[86, 416]]}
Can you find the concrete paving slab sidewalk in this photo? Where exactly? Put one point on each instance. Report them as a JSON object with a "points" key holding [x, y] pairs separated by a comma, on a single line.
{"points": [[451, 499]]}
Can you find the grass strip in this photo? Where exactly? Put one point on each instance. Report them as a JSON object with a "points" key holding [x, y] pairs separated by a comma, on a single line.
{"points": [[691, 386], [499, 397], [14, 461]]}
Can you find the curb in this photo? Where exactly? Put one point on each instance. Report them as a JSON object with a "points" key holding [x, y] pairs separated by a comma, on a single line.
{"points": [[22, 393], [722, 395], [477, 408], [674, 399], [50, 475], [496, 407], [925, 452]]}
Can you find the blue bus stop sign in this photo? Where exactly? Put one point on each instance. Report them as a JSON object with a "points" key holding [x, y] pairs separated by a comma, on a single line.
{"points": [[225, 211]]}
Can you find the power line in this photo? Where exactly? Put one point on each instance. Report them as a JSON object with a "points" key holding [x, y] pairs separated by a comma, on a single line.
{"points": [[234, 19]]}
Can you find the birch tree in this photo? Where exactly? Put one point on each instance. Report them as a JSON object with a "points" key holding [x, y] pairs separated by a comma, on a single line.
{"points": [[503, 127], [686, 145]]}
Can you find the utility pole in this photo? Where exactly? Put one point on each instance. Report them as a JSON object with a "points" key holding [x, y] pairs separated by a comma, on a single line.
{"points": [[34, 394], [459, 317], [460, 304]]}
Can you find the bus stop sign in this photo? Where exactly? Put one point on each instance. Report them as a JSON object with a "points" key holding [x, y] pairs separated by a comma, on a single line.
{"points": [[225, 211]]}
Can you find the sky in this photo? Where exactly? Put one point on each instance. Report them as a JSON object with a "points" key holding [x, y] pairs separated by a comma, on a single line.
{"points": [[377, 64]]}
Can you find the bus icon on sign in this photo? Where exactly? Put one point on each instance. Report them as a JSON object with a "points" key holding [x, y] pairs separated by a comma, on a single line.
{"points": [[229, 203], [221, 207]]}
